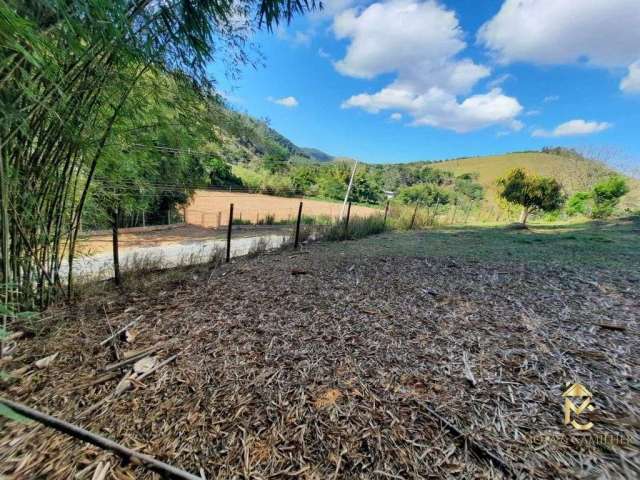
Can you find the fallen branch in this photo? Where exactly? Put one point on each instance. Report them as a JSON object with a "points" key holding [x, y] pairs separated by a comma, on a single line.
{"points": [[133, 358], [93, 383], [118, 332], [476, 446], [609, 326], [80, 433], [125, 386]]}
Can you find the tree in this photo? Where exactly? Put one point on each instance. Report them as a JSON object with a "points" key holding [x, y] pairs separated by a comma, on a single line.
{"points": [[531, 192], [578, 203], [607, 194], [221, 174], [276, 160], [424, 194], [69, 72]]}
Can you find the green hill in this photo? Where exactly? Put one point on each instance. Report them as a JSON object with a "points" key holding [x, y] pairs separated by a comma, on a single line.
{"points": [[573, 171]]}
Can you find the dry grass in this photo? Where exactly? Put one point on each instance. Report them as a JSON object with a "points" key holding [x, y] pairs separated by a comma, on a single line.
{"points": [[335, 372]]}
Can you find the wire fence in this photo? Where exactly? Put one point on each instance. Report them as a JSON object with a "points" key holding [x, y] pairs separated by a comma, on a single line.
{"points": [[221, 225]]}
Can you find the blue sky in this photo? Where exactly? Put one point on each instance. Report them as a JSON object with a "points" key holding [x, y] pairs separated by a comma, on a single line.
{"points": [[406, 80]]}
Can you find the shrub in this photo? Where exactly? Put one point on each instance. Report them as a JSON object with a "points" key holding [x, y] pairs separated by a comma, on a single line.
{"points": [[579, 204], [607, 194]]}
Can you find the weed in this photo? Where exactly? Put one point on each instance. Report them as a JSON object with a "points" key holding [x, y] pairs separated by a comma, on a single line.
{"points": [[269, 219], [358, 228], [258, 247]]}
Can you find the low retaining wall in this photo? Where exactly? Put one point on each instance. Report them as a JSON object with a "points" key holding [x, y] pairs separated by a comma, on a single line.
{"points": [[149, 228]]}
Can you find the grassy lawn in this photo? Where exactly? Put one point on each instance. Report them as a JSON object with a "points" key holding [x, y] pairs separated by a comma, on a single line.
{"points": [[613, 244]]}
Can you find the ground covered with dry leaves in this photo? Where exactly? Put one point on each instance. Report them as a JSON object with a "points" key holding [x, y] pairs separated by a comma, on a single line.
{"points": [[335, 363]]}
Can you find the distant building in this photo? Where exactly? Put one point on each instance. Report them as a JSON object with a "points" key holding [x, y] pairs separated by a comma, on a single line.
{"points": [[389, 194]]}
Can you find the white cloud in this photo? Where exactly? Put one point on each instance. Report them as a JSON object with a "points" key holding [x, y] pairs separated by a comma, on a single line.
{"points": [[516, 125], [419, 42], [298, 38], [438, 108], [532, 113], [551, 98], [631, 83], [302, 38], [288, 102], [396, 117], [602, 32], [496, 82], [323, 53], [573, 127]]}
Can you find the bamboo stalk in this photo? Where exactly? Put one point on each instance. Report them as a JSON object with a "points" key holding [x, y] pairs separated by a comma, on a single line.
{"points": [[99, 441]]}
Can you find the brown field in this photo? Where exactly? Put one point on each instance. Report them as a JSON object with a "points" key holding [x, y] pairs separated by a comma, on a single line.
{"points": [[211, 209]]}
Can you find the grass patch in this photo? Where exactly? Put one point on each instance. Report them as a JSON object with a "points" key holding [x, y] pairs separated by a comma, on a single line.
{"points": [[358, 228], [612, 244]]}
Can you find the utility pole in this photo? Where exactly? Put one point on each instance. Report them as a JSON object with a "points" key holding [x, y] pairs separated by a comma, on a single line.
{"points": [[346, 197]]}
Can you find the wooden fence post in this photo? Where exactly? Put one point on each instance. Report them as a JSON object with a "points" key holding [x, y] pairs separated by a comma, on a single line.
{"points": [[386, 211], [116, 253], [296, 242], [219, 219], [229, 232], [413, 217], [346, 222]]}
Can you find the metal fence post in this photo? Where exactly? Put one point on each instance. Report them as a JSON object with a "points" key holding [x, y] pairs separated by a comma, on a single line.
{"points": [[296, 242], [229, 232]]}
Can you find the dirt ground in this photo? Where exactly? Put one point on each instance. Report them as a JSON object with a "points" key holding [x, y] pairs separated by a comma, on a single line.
{"points": [[94, 244], [211, 208], [343, 362]]}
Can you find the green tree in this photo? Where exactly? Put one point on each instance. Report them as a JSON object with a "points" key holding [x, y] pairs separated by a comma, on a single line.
{"points": [[276, 160], [365, 189], [220, 173], [607, 194], [424, 194], [531, 192], [304, 177], [579, 204]]}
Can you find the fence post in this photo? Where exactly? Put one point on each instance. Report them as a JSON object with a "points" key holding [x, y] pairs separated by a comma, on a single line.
{"points": [[346, 222], [116, 253], [219, 219], [413, 217], [295, 243], [386, 211], [229, 232]]}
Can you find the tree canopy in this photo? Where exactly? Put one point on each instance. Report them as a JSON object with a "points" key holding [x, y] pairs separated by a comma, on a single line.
{"points": [[531, 192]]}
